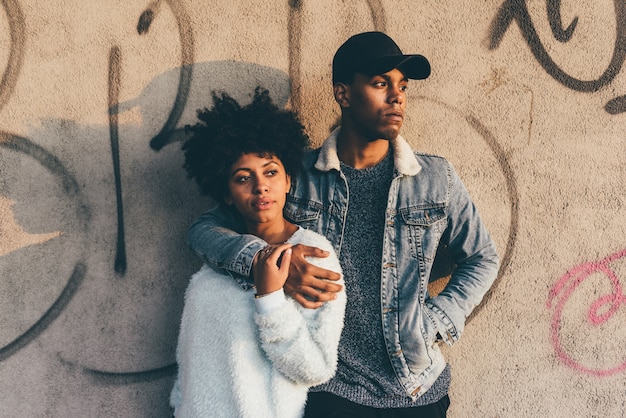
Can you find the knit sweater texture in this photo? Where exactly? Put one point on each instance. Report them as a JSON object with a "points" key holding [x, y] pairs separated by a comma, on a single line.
{"points": [[364, 374]]}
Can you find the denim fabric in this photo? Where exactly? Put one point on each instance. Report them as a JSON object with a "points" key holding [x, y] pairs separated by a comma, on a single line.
{"points": [[429, 211]]}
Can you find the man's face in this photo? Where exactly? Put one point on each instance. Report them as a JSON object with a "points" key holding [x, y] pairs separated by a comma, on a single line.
{"points": [[376, 104]]}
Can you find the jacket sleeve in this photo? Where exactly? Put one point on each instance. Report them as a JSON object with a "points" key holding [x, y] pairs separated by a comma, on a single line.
{"points": [[215, 236], [476, 261], [302, 343]]}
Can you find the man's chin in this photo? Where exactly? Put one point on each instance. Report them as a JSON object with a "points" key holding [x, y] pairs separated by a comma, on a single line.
{"points": [[390, 134]]}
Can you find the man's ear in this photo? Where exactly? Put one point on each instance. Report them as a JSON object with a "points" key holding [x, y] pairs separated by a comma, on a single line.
{"points": [[228, 200], [288, 183], [342, 94]]}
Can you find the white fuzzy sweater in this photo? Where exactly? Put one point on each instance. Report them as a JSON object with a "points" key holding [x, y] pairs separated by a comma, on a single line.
{"points": [[235, 362]]}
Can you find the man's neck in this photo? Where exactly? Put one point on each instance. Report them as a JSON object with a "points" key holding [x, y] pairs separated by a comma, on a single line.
{"points": [[360, 153]]}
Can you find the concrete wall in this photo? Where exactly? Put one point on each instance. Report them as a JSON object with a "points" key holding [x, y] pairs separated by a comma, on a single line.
{"points": [[527, 99]]}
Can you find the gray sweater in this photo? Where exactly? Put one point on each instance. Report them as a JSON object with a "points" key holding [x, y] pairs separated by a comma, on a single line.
{"points": [[364, 373]]}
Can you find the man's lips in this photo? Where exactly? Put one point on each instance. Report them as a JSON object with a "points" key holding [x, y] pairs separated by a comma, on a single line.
{"points": [[395, 115]]}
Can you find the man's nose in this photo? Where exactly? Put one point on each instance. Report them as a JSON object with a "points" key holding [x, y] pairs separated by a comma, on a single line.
{"points": [[396, 95]]}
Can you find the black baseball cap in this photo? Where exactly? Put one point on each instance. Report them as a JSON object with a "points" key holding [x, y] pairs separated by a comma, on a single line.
{"points": [[375, 53]]}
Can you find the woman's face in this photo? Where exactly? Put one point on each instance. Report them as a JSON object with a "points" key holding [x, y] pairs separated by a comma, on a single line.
{"points": [[258, 186]]}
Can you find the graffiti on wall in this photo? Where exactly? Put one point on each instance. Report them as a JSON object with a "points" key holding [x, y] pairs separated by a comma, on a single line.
{"points": [[18, 148], [604, 309], [517, 10], [601, 311], [28, 149]]}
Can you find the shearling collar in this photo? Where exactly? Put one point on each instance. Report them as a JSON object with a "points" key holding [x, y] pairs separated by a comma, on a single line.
{"points": [[403, 156]]}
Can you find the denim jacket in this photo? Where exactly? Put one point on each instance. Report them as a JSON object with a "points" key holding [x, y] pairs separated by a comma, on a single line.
{"points": [[429, 212]]}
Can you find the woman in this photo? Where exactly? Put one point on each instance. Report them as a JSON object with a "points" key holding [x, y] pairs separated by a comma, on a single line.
{"points": [[252, 353]]}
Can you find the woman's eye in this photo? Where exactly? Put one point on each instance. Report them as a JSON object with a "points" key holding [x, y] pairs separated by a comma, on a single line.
{"points": [[242, 179], [271, 173]]}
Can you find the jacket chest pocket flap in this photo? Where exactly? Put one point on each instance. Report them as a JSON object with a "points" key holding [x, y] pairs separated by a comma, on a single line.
{"points": [[424, 227], [424, 217], [301, 212]]}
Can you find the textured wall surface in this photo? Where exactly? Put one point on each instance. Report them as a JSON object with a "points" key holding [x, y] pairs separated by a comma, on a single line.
{"points": [[527, 99]]}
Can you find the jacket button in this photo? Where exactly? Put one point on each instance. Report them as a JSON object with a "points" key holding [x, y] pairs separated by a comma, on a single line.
{"points": [[416, 391]]}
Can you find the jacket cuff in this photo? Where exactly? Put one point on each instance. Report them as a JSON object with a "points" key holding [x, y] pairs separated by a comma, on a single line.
{"points": [[241, 269]]}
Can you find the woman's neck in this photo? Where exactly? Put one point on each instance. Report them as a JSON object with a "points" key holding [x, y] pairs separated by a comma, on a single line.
{"points": [[275, 233]]}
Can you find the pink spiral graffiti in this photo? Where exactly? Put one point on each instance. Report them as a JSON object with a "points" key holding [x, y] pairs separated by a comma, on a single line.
{"points": [[600, 311]]}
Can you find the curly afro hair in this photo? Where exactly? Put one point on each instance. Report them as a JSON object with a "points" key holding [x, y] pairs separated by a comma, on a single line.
{"points": [[228, 130]]}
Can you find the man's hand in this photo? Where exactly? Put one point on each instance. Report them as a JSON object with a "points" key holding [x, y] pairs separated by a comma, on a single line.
{"points": [[309, 285]]}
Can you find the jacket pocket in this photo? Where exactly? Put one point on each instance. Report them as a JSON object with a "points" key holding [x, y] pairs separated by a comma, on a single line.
{"points": [[302, 212], [424, 227], [430, 326]]}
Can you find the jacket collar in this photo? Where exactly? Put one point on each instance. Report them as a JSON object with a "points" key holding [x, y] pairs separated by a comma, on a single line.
{"points": [[404, 159]]}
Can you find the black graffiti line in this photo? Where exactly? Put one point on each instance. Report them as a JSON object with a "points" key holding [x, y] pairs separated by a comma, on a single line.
{"points": [[512, 191], [114, 93], [71, 187], [294, 29], [47, 318], [377, 11], [146, 18], [517, 10], [556, 23], [122, 378], [42, 156], [511, 185], [17, 31], [186, 74], [616, 105]]}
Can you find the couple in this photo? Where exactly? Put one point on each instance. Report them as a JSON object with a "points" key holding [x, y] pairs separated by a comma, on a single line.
{"points": [[385, 210]]}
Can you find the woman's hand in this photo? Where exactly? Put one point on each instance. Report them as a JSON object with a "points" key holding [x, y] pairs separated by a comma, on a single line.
{"points": [[271, 268]]}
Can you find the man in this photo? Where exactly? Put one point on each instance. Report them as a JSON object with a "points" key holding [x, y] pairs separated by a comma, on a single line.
{"points": [[386, 210]]}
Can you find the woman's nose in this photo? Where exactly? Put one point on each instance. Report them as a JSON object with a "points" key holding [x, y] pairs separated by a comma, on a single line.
{"points": [[261, 186]]}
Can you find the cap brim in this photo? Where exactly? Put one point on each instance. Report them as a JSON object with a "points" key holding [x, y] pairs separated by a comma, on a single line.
{"points": [[415, 67]]}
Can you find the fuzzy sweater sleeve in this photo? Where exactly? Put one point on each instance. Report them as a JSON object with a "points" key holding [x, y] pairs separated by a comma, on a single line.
{"points": [[302, 343]]}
